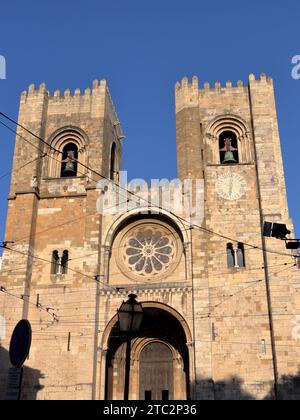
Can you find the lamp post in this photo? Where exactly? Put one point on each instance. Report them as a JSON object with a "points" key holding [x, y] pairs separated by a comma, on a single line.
{"points": [[130, 317]]}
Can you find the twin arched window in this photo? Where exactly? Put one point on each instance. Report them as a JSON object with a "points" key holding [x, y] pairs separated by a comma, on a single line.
{"points": [[235, 256], [59, 263]]}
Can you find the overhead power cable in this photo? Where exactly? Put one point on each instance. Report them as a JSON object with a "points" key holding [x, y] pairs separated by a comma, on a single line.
{"points": [[23, 166], [94, 278], [38, 305], [209, 231]]}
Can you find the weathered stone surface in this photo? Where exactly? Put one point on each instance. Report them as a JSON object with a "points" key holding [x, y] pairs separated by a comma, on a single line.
{"points": [[224, 312]]}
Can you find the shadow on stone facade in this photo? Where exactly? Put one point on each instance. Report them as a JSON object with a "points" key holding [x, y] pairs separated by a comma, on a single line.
{"points": [[31, 378], [4, 366], [234, 389], [289, 387]]}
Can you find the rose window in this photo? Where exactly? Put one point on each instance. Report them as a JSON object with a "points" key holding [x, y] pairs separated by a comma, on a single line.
{"points": [[149, 250]]}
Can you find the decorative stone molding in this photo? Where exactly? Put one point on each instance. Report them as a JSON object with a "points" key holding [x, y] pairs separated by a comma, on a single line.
{"points": [[229, 123], [58, 140]]}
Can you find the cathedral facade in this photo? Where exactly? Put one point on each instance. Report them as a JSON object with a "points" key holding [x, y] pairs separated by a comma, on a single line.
{"points": [[220, 301]]}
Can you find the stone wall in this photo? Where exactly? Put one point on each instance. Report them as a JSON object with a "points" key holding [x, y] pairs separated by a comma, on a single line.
{"points": [[235, 348]]}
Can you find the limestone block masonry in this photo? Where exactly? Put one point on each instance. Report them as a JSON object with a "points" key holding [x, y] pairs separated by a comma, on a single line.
{"points": [[226, 331]]}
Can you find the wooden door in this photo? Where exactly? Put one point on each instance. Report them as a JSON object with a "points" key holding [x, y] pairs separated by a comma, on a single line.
{"points": [[156, 373]]}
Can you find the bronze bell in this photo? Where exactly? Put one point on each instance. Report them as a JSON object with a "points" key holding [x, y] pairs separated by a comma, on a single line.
{"points": [[229, 158], [228, 149], [69, 169]]}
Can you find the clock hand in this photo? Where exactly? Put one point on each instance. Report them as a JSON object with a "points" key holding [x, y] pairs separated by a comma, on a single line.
{"points": [[230, 186]]}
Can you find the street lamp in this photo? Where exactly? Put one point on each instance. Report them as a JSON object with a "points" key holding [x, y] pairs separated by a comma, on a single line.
{"points": [[130, 317]]}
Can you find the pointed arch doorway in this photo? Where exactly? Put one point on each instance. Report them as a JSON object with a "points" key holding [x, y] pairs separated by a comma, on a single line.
{"points": [[160, 360]]}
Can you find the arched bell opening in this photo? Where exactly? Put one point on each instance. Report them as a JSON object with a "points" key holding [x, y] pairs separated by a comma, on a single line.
{"points": [[69, 161], [228, 148], [160, 361]]}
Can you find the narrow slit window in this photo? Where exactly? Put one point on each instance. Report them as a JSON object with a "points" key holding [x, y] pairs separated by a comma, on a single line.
{"points": [[113, 161]]}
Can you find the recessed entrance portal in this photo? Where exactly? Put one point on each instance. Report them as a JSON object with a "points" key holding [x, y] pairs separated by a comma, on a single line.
{"points": [[156, 373], [159, 360]]}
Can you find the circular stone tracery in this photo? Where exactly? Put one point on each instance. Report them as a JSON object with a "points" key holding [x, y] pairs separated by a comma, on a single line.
{"points": [[149, 249]]}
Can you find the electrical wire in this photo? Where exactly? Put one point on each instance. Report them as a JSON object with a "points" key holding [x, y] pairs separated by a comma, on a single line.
{"points": [[23, 166], [141, 198], [38, 306], [199, 316], [95, 278], [148, 202]]}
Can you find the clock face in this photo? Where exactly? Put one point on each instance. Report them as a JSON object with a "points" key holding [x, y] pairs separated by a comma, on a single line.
{"points": [[231, 186]]}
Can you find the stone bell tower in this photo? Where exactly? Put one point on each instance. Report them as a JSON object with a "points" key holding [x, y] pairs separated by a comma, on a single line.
{"points": [[219, 300], [228, 136], [52, 215]]}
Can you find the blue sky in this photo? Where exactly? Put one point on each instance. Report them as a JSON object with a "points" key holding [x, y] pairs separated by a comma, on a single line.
{"points": [[142, 48]]}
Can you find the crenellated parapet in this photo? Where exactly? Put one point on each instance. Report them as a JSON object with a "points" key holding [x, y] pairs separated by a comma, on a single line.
{"points": [[95, 101], [188, 93]]}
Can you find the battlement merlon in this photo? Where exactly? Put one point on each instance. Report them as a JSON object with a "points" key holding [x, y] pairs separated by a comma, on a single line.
{"points": [[96, 101], [188, 94]]}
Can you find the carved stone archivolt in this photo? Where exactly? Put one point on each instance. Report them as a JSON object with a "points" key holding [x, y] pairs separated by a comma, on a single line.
{"points": [[58, 141], [238, 127]]}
